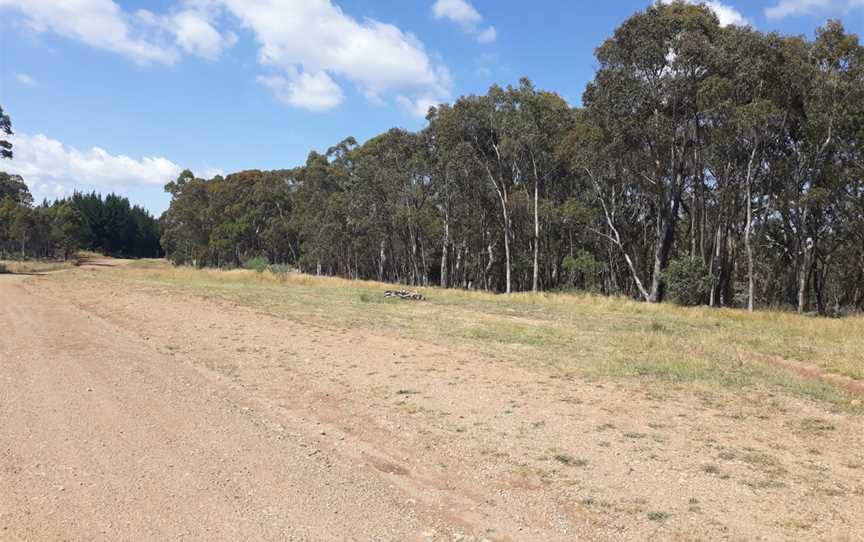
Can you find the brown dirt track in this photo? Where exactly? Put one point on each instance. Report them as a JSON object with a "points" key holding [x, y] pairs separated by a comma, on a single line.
{"points": [[132, 414]]}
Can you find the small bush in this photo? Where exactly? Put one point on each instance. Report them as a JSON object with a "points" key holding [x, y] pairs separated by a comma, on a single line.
{"points": [[3, 269], [258, 263], [583, 270], [658, 516], [687, 281]]}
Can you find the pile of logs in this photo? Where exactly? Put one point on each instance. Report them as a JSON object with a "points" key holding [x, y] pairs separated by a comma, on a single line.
{"points": [[405, 294]]}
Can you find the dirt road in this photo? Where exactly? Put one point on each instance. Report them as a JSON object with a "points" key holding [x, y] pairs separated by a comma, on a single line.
{"points": [[137, 414], [103, 437]]}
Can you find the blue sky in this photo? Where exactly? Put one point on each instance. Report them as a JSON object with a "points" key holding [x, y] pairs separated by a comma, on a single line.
{"points": [[121, 95]]}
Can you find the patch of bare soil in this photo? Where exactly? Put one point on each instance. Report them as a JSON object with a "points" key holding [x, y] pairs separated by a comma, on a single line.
{"points": [[808, 371], [140, 413], [96, 262]]}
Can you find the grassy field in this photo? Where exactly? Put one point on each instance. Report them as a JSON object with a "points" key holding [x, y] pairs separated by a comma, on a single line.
{"points": [[572, 335]]}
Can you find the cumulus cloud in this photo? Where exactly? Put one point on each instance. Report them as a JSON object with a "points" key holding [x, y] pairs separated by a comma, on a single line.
{"points": [[310, 44], [98, 23], [788, 8], [194, 32], [309, 47], [52, 169], [726, 14], [143, 37], [466, 15], [310, 91], [459, 11], [418, 107], [487, 36], [25, 79], [210, 172]]}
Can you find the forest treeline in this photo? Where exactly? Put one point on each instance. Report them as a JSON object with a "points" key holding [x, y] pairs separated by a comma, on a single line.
{"points": [[110, 225], [706, 164], [709, 164]]}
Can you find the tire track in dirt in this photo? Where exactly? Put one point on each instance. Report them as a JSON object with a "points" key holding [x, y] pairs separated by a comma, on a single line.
{"points": [[807, 370]]}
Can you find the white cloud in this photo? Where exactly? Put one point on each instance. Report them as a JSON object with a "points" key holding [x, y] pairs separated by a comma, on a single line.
{"points": [[196, 35], [144, 37], [314, 40], [726, 14], [787, 8], [791, 8], [311, 46], [458, 11], [210, 172], [418, 107], [487, 36], [466, 15], [50, 168], [313, 92], [25, 79], [97, 23]]}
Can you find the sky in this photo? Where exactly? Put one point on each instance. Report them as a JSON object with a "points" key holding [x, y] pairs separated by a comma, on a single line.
{"points": [[120, 96]]}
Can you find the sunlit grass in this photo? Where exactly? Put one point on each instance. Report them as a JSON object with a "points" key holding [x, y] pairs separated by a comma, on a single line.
{"points": [[34, 266], [574, 334]]}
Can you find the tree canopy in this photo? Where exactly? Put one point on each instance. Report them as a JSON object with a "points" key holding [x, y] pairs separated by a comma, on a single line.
{"points": [[715, 165], [5, 129], [110, 225], [706, 164]]}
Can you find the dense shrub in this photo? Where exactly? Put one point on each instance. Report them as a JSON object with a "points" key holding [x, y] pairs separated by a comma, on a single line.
{"points": [[687, 281], [258, 263], [583, 270]]}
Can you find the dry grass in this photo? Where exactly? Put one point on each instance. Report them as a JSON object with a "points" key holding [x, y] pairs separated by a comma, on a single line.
{"points": [[34, 266], [584, 335]]}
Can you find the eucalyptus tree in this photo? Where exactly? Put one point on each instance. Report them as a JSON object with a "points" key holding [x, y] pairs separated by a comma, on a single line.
{"points": [[5, 129], [388, 194], [531, 127], [741, 108], [836, 112], [645, 97], [186, 225], [438, 150], [275, 201], [14, 188], [733, 154], [480, 121], [321, 198], [593, 153], [824, 79]]}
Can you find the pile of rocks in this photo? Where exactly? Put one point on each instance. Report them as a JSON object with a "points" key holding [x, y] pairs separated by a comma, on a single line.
{"points": [[405, 294]]}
